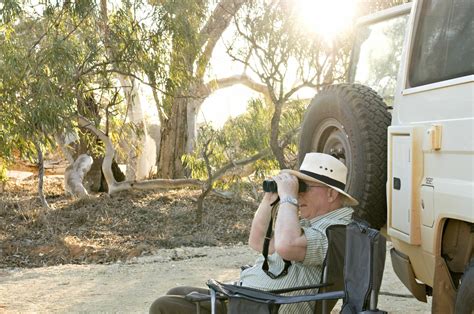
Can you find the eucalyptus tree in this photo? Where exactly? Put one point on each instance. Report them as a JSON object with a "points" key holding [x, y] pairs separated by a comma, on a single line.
{"points": [[173, 48], [193, 30], [132, 43], [285, 56], [54, 69], [57, 69], [38, 79]]}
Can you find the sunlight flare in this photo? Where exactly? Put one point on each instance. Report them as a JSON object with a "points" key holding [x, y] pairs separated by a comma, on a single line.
{"points": [[326, 18]]}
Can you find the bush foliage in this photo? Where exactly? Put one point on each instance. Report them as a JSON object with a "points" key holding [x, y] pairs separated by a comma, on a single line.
{"points": [[241, 138]]}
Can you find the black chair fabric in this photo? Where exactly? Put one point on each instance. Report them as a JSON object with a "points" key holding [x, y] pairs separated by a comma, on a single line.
{"points": [[333, 265], [363, 272]]}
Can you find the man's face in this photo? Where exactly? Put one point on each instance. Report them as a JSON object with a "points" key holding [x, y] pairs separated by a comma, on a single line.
{"points": [[314, 202]]}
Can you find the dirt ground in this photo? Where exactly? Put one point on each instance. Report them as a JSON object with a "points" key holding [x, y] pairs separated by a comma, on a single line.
{"points": [[105, 229], [117, 254]]}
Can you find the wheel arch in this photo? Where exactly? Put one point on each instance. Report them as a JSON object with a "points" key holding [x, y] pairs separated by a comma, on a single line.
{"points": [[455, 243], [453, 252]]}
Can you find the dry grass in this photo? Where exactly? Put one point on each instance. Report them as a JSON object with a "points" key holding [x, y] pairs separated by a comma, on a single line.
{"points": [[105, 229]]}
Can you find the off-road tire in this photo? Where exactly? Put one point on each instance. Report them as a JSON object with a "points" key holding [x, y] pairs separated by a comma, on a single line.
{"points": [[350, 121], [465, 295]]}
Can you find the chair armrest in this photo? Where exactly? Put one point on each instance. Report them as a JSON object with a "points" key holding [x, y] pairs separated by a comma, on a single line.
{"points": [[321, 285], [332, 295], [269, 297]]}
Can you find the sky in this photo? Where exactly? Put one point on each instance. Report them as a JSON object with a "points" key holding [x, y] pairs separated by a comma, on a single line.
{"points": [[227, 102]]}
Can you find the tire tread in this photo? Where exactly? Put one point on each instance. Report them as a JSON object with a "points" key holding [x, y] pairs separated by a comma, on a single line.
{"points": [[373, 118]]}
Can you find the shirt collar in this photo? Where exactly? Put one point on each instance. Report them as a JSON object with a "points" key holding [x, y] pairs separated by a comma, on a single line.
{"points": [[343, 212]]}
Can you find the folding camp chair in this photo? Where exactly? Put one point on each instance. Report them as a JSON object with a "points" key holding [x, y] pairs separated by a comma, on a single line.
{"points": [[331, 279], [363, 271]]}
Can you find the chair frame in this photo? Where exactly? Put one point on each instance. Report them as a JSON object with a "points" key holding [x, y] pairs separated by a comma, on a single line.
{"points": [[331, 277], [330, 290]]}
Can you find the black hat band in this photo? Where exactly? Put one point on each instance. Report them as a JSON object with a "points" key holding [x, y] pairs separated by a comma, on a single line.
{"points": [[329, 181]]}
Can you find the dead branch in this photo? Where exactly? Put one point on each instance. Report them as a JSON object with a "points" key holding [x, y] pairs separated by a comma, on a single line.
{"points": [[74, 176], [243, 79], [115, 186]]}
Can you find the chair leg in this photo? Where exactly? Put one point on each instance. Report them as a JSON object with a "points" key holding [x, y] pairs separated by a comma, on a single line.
{"points": [[373, 301], [373, 305], [213, 301], [324, 305]]}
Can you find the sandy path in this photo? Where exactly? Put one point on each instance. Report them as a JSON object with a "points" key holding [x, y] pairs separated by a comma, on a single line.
{"points": [[131, 287]]}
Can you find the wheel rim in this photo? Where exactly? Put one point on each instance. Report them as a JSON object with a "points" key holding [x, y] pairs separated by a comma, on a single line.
{"points": [[331, 138]]}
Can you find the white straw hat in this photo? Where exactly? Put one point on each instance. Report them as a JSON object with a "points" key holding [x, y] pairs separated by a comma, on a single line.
{"points": [[325, 169]]}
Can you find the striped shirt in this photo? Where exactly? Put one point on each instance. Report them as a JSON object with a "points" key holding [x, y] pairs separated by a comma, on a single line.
{"points": [[307, 272]]}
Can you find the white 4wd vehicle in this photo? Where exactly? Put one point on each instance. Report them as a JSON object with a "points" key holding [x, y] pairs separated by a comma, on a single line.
{"points": [[410, 151]]}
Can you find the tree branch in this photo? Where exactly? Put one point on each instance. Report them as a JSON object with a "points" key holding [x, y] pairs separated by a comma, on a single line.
{"points": [[242, 162], [217, 23], [243, 79]]}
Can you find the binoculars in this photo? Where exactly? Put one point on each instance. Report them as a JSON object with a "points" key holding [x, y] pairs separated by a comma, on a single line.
{"points": [[271, 186]]}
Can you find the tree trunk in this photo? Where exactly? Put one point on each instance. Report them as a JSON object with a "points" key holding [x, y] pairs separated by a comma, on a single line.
{"points": [[192, 111], [142, 148], [173, 141], [97, 180], [74, 176], [174, 129], [41, 176], [275, 132]]}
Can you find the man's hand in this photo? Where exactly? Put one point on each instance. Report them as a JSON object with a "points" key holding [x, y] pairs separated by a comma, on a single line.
{"points": [[287, 185], [269, 197]]}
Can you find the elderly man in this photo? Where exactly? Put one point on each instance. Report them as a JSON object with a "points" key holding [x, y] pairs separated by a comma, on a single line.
{"points": [[310, 200]]}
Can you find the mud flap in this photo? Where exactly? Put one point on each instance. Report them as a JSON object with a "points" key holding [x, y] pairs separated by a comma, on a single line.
{"points": [[444, 292], [402, 267]]}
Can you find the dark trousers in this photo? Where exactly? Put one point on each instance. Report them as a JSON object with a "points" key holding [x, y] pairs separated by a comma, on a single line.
{"points": [[175, 303]]}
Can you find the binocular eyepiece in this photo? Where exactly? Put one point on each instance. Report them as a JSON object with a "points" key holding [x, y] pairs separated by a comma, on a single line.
{"points": [[271, 186]]}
